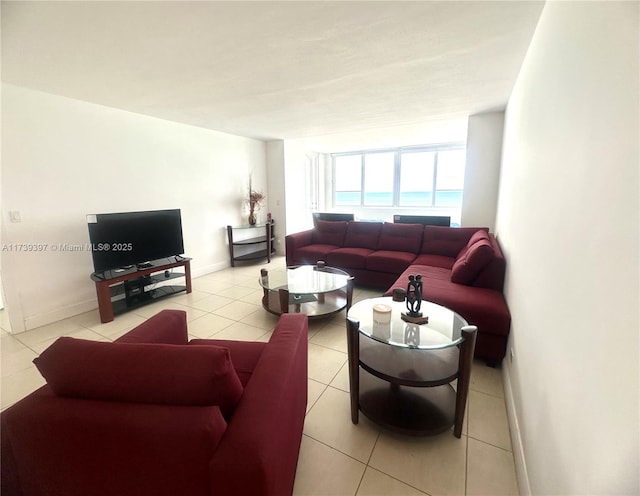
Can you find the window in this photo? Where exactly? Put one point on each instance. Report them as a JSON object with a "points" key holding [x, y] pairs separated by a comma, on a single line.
{"points": [[417, 177], [450, 178], [348, 179], [378, 179]]}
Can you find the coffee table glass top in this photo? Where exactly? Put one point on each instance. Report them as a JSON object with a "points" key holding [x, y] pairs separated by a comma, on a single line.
{"points": [[442, 331], [305, 280]]}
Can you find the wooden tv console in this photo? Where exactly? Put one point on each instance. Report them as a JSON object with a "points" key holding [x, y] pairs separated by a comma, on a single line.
{"points": [[122, 290]]}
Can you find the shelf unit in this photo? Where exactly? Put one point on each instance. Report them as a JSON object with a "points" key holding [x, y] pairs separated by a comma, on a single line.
{"points": [[122, 290], [248, 243]]}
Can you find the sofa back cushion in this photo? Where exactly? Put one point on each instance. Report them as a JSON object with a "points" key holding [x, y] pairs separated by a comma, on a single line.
{"points": [[362, 235], [141, 373], [400, 237], [447, 241], [329, 232], [472, 259]]}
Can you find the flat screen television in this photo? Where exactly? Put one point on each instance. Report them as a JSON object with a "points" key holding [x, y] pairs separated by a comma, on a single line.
{"points": [[330, 216], [125, 239], [427, 220]]}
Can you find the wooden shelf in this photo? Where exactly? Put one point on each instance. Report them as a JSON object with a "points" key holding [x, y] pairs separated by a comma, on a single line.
{"points": [[256, 246], [122, 291], [408, 410]]}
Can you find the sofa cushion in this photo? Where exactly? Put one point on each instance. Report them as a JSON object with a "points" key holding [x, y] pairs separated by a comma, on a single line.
{"points": [[311, 254], [362, 235], [329, 232], [141, 373], [348, 258], [472, 259], [389, 261], [244, 354], [479, 235], [434, 261], [446, 241], [75, 447], [400, 237]]}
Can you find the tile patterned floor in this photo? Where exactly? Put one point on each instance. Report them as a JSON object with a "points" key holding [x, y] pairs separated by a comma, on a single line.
{"points": [[336, 458]]}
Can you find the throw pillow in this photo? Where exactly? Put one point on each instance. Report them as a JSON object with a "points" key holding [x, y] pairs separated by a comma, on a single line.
{"points": [[447, 241], [472, 259], [141, 373], [477, 236]]}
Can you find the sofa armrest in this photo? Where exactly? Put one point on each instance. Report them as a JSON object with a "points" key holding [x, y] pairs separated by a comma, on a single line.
{"points": [[259, 452], [167, 327], [73, 447], [296, 241]]}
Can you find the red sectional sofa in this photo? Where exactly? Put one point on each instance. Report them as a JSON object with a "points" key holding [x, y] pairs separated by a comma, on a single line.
{"points": [[462, 268], [155, 414]]}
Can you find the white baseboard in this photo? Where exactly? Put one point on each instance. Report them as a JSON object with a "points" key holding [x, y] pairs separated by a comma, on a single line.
{"points": [[516, 439], [42, 319], [59, 314], [201, 271]]}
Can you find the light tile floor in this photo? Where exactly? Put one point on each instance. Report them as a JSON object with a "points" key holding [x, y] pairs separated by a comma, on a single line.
{"points": [[336, 458]]}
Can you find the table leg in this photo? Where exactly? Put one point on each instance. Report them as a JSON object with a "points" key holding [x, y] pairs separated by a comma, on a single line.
{"points": [[187, 275], [105, 307], [283, 294], [353, 351], [465, 360], [350, 284]]}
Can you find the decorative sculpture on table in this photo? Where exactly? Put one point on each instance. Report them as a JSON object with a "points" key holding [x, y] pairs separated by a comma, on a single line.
{"points": [[414, 301]]}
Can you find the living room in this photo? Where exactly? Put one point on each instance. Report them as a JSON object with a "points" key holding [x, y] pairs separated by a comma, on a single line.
{"points": [[566, 218]]}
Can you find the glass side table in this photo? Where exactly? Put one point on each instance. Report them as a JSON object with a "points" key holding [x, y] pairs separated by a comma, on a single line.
{"points": [[401, 374]]}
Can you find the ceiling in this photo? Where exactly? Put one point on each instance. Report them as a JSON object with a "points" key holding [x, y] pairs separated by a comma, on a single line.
{"points": [[332, 74]]}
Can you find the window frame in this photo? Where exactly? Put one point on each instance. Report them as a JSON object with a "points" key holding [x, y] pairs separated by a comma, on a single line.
{"points": [[397, 165]]}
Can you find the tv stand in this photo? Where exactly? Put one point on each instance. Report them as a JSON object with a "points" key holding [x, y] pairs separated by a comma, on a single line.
{"points": [[120, 291]]}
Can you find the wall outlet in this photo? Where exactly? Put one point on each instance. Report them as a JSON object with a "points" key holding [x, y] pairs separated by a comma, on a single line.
{"points": [[14, 216]]}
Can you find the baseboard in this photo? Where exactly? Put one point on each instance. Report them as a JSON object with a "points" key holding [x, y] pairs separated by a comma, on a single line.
{"points": [[52, 316], [202, 271], [516, 438], [59, 314]]}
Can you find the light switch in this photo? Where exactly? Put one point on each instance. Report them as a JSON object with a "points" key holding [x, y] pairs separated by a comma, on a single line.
{"points": [[14, 216]]}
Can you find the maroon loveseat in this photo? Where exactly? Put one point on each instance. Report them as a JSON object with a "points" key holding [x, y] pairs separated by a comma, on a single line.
{"points": [[154, 414], [462, 268]]}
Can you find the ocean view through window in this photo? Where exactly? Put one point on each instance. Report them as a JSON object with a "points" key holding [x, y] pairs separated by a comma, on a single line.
{"points": [[419, 177]]}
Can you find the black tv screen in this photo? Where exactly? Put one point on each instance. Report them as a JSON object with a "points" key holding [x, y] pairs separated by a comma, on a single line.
{"points": [[427, 220], [134, 238]]}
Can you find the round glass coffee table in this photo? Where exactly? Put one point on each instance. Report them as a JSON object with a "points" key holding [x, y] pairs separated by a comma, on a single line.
{"points": [[315, 290], [400, 373]]}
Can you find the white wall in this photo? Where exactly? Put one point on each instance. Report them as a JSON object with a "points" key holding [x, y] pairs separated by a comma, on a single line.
{"points": [[295, 173], [276, 199], [568, 220], [63, 159], [482, 171]]}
